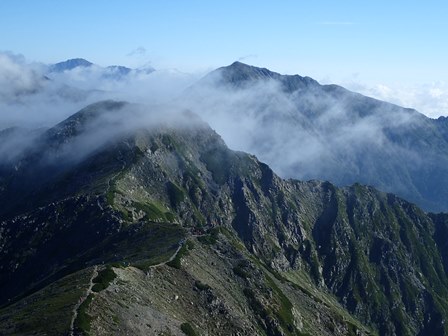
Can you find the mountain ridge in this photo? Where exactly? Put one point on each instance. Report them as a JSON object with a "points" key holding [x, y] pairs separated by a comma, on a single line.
{"points": [[111, 71], [238, 72], [290, 253], [70, 64], [327, 132]]}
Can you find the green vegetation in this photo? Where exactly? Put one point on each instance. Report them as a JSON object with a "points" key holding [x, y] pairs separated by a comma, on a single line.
{"points": [[257, 307], [170, 217], [83, 320], [104, 278], [240, 271], [168, 142], [188, 329], [300, 280], [211, 238], [53, 303], [371, 251], [196, 186], [177, 261], [110, 196], [175, 194], [152, 211], [140, 244], [207, 240], [201, 286], [190, 244], [112, 188], [218, 162], [284, 309], [233, 239], [198, 216], [145, 264]]}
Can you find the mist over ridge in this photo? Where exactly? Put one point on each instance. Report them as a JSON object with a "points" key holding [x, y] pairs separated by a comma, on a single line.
{"points": [[144, 189], [302, 129], [305, 130], [40, 95]]}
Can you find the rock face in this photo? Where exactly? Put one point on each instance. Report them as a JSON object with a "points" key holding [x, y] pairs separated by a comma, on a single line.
{"points": [[201, 239], [327, 132]]}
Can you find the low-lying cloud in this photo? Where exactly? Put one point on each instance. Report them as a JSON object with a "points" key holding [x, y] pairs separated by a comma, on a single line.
{"points": [[31, 96], [17, 78], [301, 134], [301, 129], [307, 131], [34, 99], [429, 99]]}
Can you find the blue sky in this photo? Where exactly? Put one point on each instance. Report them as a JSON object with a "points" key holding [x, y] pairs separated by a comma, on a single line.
{"points": [[377, 41]]}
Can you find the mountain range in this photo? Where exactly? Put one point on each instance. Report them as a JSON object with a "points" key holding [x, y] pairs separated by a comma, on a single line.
{"points": [[138, 219], [305, 130], [116, 72]]}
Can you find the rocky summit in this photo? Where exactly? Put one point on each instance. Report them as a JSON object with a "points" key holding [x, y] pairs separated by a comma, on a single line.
{"points": [[116, 223]]}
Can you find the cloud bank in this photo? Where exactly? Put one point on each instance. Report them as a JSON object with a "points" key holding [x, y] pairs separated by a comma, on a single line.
{"points": [[308, 133], [429, 99], [301, 129], [32, 96]]}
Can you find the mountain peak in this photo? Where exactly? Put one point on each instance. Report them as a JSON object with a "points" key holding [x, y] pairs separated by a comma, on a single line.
{"points": [[70, 64], [238, 64], [240, 74]]}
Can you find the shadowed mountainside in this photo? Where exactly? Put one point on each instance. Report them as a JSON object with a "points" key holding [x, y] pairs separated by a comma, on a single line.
{"points": [[259, 254]]}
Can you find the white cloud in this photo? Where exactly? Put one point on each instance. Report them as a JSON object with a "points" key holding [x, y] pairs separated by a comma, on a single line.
{"points": [[430, 99], [30, 97], [16, 78]]}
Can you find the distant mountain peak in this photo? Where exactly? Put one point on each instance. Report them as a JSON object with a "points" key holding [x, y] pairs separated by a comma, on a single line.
{"points": [[70, 64], [114, 72], [118, 68], [240, 74], [241, 65]]}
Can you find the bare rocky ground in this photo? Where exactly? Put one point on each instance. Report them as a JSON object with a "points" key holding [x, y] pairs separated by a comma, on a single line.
{"points": [[208, 295], [218, 289]]}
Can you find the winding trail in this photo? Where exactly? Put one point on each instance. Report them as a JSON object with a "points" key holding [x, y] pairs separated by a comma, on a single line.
{"points": [[82, 299], [181, 243], [95, 274], [110, 182]]}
